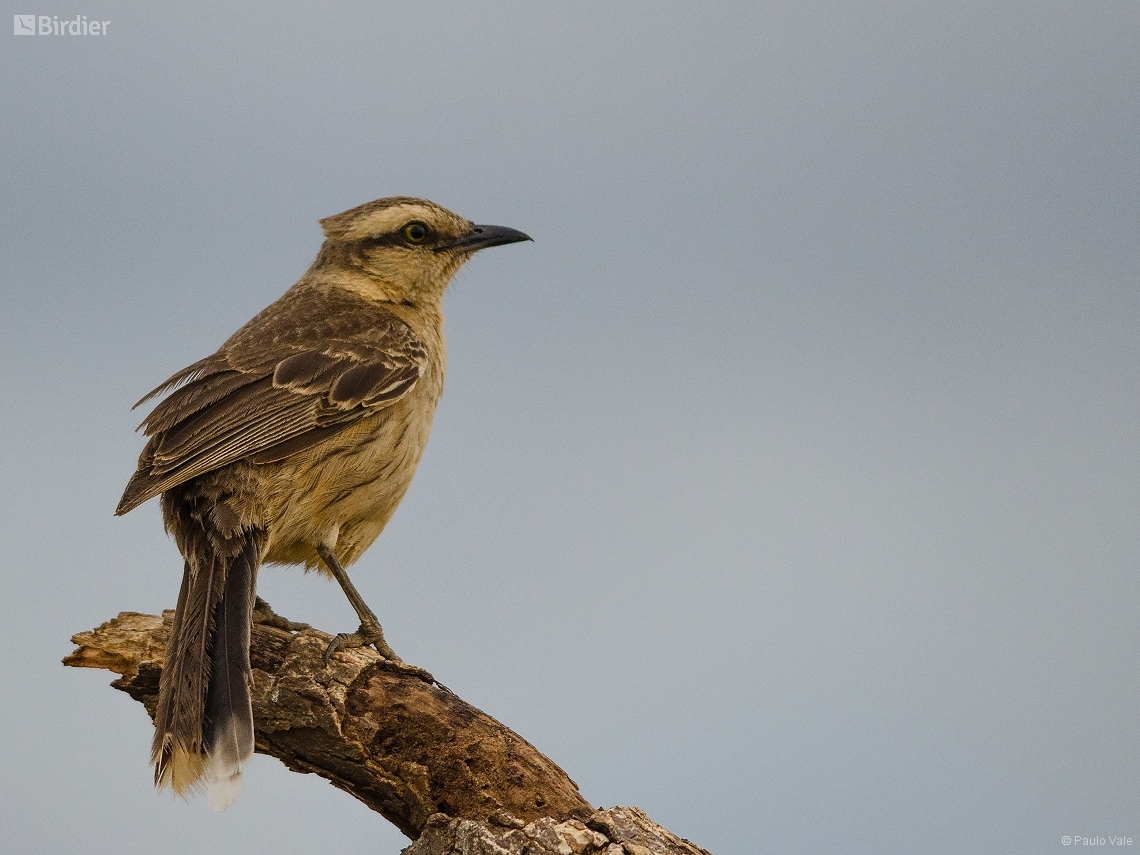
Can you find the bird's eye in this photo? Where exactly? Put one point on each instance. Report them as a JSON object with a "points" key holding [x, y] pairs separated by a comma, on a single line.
{"points": [[415, 232]]}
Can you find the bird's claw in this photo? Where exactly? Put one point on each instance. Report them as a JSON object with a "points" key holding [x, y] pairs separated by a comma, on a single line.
{"points": [[411, 671], [374, 636], [264, 615], [344, 641]]}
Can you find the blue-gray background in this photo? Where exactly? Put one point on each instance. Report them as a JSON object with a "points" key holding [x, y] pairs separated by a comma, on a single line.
{"points": [[786, 486]]}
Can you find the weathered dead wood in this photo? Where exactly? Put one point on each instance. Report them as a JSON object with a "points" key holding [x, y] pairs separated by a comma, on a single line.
{"points": [[444, 773], [617, 831]]}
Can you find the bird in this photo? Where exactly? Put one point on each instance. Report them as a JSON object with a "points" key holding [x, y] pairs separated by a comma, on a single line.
{"points": [[293, 444]]}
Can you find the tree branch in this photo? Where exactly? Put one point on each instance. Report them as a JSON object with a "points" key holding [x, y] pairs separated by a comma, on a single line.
{"points": [[444, 773]]}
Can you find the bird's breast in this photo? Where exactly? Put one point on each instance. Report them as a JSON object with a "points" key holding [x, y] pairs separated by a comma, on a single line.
{"points": [[347, 487]]}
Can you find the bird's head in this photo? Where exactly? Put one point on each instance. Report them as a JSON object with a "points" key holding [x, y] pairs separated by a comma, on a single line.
{"points": [[409, 248]]}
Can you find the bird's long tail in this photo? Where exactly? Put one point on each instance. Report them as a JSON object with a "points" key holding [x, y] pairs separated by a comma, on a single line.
{"points": [[204, 724]]}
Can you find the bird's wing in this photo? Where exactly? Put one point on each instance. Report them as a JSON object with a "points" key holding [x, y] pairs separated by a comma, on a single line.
{"points": [[279, 386]]}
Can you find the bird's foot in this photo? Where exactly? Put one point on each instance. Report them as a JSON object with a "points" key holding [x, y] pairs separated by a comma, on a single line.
{"points": [[372, 634], [263, 614]]}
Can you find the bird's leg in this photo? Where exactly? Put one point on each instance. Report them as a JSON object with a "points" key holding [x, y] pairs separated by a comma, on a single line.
{"points": [[369, 631]]}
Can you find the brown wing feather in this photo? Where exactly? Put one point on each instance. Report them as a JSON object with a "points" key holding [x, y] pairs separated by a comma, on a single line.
{"points": [[188, 373], [274, 389], [193, 397], [371, 383], [305, 372]]}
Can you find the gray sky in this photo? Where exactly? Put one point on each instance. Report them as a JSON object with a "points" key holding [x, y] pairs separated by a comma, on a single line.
{"points": [[786, 485]]}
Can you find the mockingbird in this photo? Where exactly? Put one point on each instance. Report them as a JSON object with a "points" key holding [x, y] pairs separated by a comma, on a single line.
{"points": [[293, 444]]}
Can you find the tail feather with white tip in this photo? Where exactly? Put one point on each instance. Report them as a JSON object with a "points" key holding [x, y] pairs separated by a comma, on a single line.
{"points": [[204, 722]]}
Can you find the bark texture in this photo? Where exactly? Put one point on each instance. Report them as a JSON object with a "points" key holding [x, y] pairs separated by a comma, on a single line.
{"points": [[447, 775], [617, 831]]}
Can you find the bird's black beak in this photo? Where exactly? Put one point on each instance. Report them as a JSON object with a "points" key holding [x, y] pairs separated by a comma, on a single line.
{"points": [[481, 237]]}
